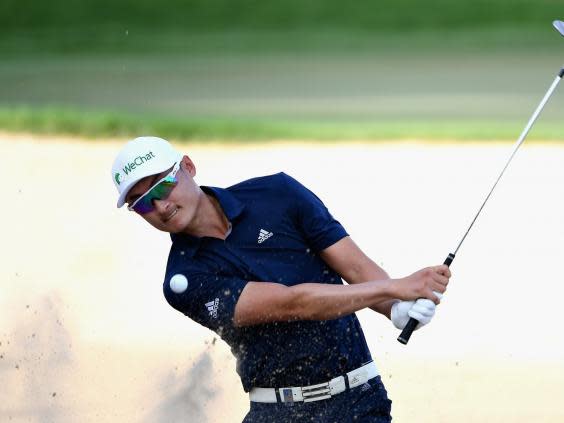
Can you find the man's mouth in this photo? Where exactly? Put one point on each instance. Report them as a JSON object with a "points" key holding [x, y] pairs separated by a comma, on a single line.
{"points": [[171, 215]]}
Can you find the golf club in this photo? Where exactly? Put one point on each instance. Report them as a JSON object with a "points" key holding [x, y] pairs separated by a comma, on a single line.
{"points": [[559, 25]]}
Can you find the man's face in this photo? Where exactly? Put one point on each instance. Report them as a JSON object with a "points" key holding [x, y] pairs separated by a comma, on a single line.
{"points": [[176, 212]]}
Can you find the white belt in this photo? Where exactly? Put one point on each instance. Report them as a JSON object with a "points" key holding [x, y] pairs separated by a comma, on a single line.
{"points": [[318, 392]]}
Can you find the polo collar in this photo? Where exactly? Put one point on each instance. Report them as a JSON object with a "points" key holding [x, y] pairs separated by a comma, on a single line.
{"points": [[231, 206]]}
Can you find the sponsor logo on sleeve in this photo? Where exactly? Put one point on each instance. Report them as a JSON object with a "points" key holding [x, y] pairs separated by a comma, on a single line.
{"points": [[212, 307]]}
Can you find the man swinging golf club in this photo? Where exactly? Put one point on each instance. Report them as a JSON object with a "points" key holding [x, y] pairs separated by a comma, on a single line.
{"points": [[262, 264]]}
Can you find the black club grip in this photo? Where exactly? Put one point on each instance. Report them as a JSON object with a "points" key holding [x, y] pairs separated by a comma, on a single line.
{"points": [[412, 324]]}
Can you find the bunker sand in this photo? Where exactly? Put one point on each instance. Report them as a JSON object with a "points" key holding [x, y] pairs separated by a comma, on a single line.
{"points": [[86, 334]]}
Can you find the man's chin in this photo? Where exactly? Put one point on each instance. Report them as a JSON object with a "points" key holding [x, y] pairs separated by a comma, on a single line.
{"points": [[171, 230], [174, 225], [170, 226]]}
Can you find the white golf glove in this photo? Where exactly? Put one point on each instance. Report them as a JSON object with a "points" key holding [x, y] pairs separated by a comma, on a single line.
{"points": [[422, 310]]}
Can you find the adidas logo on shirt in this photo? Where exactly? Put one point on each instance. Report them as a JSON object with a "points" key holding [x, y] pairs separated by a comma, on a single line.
{"points": [[212, 307], [264, 235]]}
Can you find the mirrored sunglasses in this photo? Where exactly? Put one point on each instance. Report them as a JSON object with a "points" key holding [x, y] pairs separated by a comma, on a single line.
{"points": [[160, 191]]}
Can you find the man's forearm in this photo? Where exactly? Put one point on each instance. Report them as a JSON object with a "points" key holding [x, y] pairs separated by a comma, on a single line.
{"points": [[325, 302], [385, 308], [347, 259], [263, 302], [370, 271]]}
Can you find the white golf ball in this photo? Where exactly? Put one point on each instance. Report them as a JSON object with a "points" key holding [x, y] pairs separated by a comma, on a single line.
{"points": [[178, 283]]}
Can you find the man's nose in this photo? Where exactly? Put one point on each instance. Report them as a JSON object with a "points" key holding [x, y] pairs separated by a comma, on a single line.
{"points": [[161, 206]]}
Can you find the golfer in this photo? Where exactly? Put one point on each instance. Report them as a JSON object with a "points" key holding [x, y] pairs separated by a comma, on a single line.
{"points": [[262, 264]]}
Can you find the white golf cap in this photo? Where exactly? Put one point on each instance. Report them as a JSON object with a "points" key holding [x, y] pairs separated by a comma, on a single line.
{"points": [[139, 158]]}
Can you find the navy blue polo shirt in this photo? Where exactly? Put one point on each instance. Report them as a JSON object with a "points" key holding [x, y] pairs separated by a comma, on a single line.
{"points": [[278, 229]]}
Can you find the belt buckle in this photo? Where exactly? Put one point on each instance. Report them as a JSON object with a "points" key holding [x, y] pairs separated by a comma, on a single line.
{"points": [[316, 392], [337, 385]]}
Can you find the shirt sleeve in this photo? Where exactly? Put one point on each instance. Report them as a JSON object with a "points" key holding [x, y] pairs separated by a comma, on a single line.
{"points": [[319, 227], [206, 298]]}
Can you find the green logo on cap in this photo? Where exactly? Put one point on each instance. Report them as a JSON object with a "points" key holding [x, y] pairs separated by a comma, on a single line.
{"points": [[138, 161], [116, 177]]}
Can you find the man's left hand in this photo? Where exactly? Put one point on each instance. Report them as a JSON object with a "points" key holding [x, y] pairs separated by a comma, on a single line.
{"points": [[422, 310]]}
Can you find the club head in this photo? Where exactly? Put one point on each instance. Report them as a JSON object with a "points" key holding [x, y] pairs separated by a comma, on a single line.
{"points": [[559, 25]]}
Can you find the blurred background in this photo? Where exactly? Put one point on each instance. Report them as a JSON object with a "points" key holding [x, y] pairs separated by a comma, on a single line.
{"points": [[398, 114], [251, 69]]}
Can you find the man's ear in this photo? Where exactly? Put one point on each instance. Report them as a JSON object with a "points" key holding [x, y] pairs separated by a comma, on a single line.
{"points": [[188, 165]]}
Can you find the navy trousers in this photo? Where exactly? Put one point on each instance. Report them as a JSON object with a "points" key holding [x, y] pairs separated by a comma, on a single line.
{"points": [[367, 403]]}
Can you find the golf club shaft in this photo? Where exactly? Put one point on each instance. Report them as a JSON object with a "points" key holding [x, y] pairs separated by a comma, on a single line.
{"points": [[412, 323]]}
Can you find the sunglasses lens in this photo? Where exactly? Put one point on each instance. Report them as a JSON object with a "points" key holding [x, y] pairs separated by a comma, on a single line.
{"points": [[161, 191], [145, 205]]}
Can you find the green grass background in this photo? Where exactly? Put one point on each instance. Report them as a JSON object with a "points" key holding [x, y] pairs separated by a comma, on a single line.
{"points": [[261, 70], [269, 14]]}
